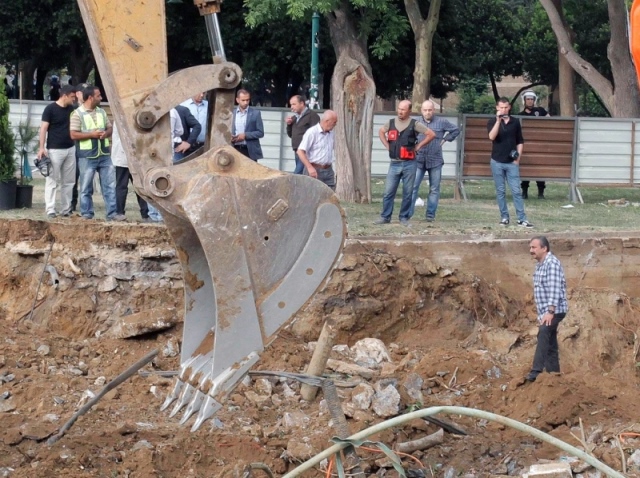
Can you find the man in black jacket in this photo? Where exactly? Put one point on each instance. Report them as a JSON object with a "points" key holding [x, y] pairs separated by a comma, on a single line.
{"points": [[297, 125], [191, 128]]}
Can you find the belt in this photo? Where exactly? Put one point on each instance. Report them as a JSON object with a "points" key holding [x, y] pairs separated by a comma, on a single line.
{"points": [[321, 166], [240, 146]]}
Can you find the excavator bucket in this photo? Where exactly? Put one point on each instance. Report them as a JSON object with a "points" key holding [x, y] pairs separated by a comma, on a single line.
{"points": [[254, 243]]}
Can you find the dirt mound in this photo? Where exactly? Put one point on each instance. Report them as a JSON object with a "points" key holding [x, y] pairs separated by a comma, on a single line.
{"points": [[468, 340]]}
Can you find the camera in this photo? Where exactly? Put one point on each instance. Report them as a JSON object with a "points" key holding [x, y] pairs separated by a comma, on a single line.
{"points": [[514, 155], [503, 116]]}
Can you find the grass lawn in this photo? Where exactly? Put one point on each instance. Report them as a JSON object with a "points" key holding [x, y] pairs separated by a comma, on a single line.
{"points": [[477, 216]]}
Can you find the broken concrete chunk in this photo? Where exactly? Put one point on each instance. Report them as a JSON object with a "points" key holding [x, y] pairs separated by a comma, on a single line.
{"points": [[25, 248], [141, 444], [108, 284], [257, 399], [370, 352], [144, 322], [264, 387], [44, 350], [147, 252], [550, 470], [412, 388], [295, 420], [350, 368], [362, 396], [634, 460], [171, 348], [386, 402]]}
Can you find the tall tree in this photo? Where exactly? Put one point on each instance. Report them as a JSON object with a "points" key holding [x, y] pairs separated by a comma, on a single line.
{"points": [[620, 96], [423, 31], [352, 86]]}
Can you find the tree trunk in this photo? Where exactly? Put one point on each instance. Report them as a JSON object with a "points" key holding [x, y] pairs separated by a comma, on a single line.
{"points": [[627, 97], [423, 32], [624, 104], [80, 63], [353, 92], [27, 68], [566, 75]]}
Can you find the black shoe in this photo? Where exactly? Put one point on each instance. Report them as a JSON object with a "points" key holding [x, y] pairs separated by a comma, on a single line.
{"points": [[430, 219], [404, 222], [504, 222], [531, 377], [381, 220], [526, 224], [525, 194], [540, 195]]}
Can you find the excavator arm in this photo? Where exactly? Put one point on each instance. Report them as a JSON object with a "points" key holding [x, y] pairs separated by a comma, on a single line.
{"points": [[254, 243]]}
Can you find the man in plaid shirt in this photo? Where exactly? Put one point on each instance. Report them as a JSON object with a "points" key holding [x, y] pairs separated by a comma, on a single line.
{"points": [[550, 293]]}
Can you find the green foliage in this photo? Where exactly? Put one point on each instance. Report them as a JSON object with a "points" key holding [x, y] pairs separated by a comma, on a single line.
{"points": [[379, 22], [7, 142], [485, 104], [469, 92]]}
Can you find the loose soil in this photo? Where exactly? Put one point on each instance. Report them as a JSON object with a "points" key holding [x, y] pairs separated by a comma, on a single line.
{"points": [[465, 326]]}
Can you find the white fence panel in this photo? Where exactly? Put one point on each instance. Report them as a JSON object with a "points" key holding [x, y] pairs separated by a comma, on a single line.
{"points": [[604, 151]]}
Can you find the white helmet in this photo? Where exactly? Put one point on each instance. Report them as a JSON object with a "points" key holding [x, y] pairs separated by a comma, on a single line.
{"points": [[529, 94]]}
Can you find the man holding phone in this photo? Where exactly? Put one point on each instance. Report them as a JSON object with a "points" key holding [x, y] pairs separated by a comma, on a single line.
{"points": [[505, 132]]}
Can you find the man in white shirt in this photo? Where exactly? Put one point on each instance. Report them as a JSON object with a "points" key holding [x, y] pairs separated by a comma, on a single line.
{"points": [[316, 150], [198, 107]]}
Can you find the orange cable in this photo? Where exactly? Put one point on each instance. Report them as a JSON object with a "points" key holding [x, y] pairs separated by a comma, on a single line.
{"points": [[396, 452], [329, 468], [632, 434]]}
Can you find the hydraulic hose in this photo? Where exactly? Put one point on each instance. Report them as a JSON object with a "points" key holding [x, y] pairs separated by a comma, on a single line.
{"points": [[470, 412]]}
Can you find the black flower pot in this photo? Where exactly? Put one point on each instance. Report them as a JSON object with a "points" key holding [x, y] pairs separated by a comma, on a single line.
{"points": [[8, 194], [24, 196]]}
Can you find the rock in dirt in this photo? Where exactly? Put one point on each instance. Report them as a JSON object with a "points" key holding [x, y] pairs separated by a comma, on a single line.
{"points": [[370, 353], [12, 437], [299, 451], [26, 248], [295, 420], [108, 284], [634, 460], [263, 386], [147, 321], [7, 406], [256, 398], [6, 471], [411, 388], [499, 340], [362, 395], [386, 402], [44, 350]]}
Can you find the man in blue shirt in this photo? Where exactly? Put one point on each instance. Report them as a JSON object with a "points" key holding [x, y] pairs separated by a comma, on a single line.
{"points": [[429, 159], [550, 294]]}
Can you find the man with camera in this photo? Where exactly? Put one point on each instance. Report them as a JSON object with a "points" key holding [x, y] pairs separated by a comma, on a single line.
{"points": [[505, 133]]}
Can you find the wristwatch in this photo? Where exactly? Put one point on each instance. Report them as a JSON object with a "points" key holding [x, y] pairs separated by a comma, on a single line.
{"points": [[551, 311]]}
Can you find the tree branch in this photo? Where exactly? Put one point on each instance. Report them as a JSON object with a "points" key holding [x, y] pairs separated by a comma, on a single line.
{"points": [[602, 86]]}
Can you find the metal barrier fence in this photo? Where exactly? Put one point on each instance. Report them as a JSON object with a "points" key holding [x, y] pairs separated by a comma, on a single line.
{"points": [[579, 151]]}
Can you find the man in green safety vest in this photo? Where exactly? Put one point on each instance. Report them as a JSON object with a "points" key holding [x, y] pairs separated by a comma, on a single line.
{"points": [[91, 129]]}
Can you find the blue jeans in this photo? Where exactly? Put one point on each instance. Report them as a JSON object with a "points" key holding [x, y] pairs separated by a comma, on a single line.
{"points": [[299, 166], [435, 175], [399, 170], [509, 172], [154, 214], [107, 173]]}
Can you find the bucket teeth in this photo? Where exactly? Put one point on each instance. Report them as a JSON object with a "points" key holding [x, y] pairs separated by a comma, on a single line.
{"points": [[193, 407], [208, 408], [175, 393], [185, 397]]}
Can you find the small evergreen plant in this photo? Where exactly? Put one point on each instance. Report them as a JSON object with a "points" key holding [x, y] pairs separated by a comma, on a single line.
{"points": [[7, 142]]}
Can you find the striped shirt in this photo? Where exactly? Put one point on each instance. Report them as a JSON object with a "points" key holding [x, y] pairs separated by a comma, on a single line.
{"points": [[550, 286], [430, 156], [318, 145]]}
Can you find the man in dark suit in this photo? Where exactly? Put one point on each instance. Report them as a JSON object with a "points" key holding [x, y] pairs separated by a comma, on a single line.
{"points": [[191, 130], [297, 125], [247, 128]]}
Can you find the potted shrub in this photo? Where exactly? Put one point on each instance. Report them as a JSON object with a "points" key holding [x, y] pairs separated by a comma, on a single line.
{"points": [[8, 181], [24, 191]]}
